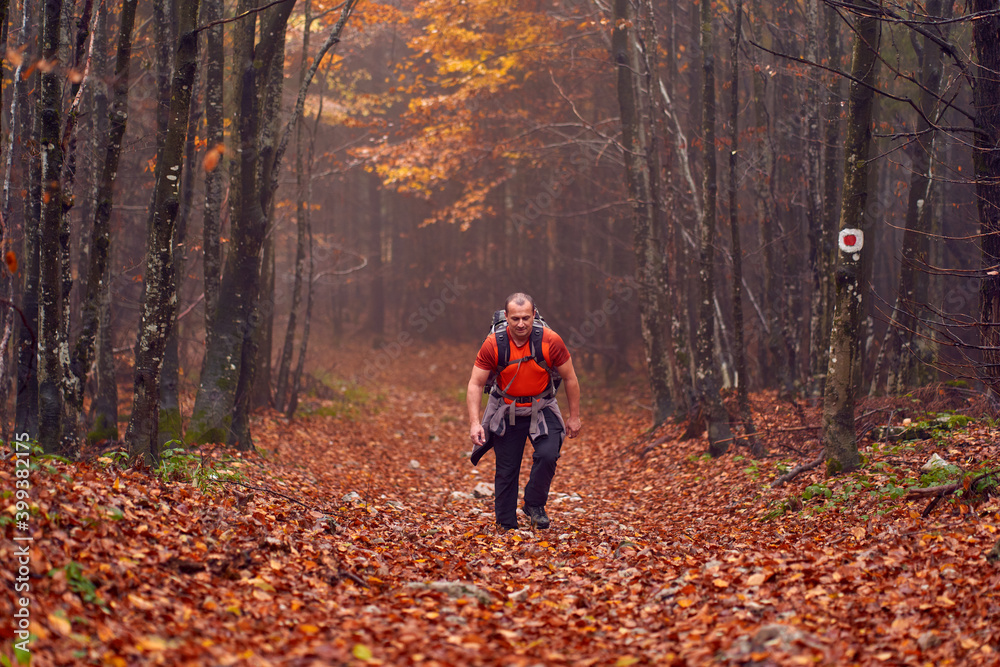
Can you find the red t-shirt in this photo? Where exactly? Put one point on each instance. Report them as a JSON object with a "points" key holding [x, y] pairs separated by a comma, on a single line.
{"points": [[526, 378]]}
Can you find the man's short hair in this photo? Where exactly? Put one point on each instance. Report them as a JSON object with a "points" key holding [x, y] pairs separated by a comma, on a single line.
{"points": [[518, 297]]}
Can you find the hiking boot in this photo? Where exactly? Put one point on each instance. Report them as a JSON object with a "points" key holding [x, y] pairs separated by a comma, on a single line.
{"points": [[539, 519]]}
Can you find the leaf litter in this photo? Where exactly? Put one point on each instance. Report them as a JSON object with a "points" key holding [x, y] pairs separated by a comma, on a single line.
{"points": [[354, 538]]}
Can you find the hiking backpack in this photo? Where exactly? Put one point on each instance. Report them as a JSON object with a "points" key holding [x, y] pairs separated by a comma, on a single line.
{"points": [[499, 327]]}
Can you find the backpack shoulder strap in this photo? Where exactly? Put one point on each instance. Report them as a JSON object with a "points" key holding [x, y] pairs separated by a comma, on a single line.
{"points": [[536, 347], [503, 349]]}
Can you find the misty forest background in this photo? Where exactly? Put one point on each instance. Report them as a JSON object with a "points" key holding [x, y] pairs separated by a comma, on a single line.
{"points": [[201, 199]]}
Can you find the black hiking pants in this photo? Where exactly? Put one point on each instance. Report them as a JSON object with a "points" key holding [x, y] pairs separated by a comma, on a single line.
{"points": [[509, 449]]}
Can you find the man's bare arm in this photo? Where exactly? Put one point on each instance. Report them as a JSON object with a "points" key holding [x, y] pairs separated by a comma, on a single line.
{"points": [[473, 399], [572, 383]]}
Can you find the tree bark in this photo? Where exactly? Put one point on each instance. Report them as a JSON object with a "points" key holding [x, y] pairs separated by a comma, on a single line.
{"points": [[814, 195], [376, 300], [254, 386], [742, 397], [170, 426], [264, 335], [832, 177], [104, 406], [26, 150], [839, 436], [159, 300], [772, 243], [707, 378], [214, 174], [986, 162], [50, 369], [281, 393]]}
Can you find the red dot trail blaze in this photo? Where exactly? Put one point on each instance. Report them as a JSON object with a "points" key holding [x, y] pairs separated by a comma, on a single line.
{"points": [[851, 241]]}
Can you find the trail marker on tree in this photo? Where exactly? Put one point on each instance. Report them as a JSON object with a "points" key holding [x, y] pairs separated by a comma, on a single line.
{"points": [[851, 241]]}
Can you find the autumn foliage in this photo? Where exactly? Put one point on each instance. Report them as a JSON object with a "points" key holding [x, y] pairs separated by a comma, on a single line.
{"points": [[352, 537]]}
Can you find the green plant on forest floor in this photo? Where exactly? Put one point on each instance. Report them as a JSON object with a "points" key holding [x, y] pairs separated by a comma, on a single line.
{"points": [[179, 464], [79, 583]]}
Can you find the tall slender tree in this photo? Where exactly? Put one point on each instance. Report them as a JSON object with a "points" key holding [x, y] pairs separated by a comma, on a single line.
{"points": [[159, 299], [742, 394], [840, 448], [707, 378], [22, 126], [832, 179], [50, 369], [986, 161], [301, 222], [214, 173]]}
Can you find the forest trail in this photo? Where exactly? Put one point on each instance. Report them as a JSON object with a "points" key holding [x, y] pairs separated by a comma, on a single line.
{"points": [[362, 543]]}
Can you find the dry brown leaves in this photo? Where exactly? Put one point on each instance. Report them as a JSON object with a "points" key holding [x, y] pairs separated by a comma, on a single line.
{"points": [[361, 544]]}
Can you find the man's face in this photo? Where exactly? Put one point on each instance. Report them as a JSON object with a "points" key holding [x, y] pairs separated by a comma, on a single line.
{"points": [[520, 317]]}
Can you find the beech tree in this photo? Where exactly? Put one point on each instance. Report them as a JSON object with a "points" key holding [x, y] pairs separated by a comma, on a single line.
{"points": [[840, 448], [159, 298], [986, 96], [51, 397], [706, 377], [22, 118]]}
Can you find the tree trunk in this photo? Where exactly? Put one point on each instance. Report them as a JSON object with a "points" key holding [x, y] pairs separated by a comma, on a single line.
{"points": [[264, 335], [746, 414], [214, 174], [832, 177], [104, 406], [986, 162], [296, 382], [839, 437], [814, 196], [170, 426], [376, 302], [647, 239], [26, 387], [50, 369], [301, 222], [771, 239], [159, 300], [707, 378], [254, 386]]}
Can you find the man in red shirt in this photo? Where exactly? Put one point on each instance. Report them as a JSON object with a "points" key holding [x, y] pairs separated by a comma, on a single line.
{"points": [[522, 405]]}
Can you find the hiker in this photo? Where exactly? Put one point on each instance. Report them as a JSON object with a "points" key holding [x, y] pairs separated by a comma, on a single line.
{"points": [[522, 404]]}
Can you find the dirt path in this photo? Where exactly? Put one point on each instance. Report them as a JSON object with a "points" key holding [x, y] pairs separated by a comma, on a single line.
{"points": [[655, 560]]}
